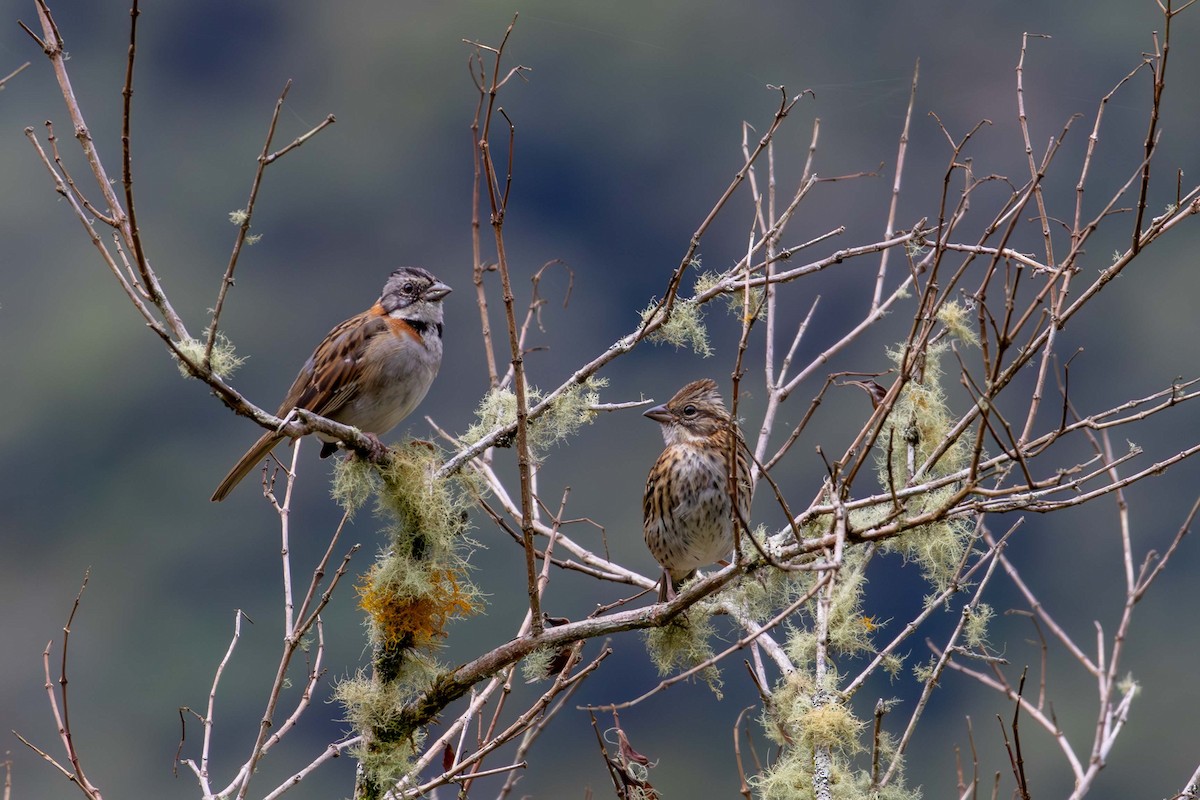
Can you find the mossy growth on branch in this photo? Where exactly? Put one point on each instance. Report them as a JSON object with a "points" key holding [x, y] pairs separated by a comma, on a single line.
{"points": [[570, 411], [916, 429], [736, 296], [387, 752], [536, 666], [770, 589], [937, 548], [975, 627], [419, 583], [685, 327], [810, 723], [683, 643], [421, 579], [957, 319], [850, 631], [805, 721], [918, 423], [224, 360]]}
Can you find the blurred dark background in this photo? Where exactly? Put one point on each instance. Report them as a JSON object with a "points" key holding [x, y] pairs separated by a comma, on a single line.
{"points": [[628, 129]]}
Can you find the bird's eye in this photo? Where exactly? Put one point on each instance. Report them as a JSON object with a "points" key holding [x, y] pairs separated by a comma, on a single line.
{"points": [[409, 288], [689, 410]]}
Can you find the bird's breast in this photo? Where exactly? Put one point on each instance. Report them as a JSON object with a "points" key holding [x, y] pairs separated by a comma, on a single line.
{"points": [[397, 371]]}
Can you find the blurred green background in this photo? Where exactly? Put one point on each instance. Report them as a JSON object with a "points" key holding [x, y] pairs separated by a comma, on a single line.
{"points": [[628, 128]]}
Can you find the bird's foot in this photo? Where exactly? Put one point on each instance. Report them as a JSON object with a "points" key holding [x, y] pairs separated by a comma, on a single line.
{"points": [[378, 450], [375, 451]]}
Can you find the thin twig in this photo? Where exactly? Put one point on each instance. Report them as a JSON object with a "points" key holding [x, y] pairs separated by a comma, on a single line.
{"points": [[244, 216]]}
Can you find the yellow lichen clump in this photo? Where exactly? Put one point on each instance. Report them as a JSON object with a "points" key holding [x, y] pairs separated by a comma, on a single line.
{"points": [[401, 618], [420, 581]]}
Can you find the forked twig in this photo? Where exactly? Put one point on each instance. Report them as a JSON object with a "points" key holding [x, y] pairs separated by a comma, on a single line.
{"points": [[498, 200], [244, 216], [59, 707]]}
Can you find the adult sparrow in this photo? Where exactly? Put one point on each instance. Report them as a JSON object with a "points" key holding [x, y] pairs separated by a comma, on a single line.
{"points": [[686, 507], [370, 372]]}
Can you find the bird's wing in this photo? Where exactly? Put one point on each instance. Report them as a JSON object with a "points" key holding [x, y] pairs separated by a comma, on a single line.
{"points": [[327, 380]]}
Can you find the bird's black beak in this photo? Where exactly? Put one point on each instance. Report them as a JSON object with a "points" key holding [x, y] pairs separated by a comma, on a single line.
{"points": [[658, 413]]}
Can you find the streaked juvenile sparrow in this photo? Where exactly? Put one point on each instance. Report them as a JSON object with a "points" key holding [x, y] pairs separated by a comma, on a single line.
{"points": [[686, 507], [370, 372]]}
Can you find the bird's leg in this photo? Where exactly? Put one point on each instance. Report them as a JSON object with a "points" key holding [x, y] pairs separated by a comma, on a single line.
{"points": [[666, 589]]}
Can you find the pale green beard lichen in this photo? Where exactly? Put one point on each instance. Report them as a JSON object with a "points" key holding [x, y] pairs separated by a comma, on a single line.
{"points": [[919, 422], [418, 584], [735, 298], [683, 643], [684, 328], [387, 755], [570, 411], [956, 319], [421, 581], [224, 360]]}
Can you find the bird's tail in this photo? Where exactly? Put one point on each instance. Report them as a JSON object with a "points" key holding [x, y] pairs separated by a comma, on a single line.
{"points": [[246, 465]]}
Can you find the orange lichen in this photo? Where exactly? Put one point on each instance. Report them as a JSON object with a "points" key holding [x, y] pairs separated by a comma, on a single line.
{"points": [[404, 617]]}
